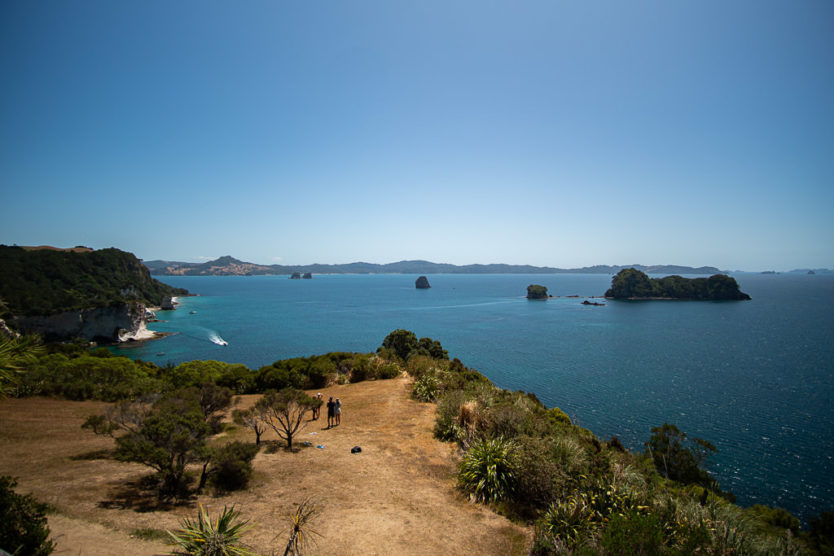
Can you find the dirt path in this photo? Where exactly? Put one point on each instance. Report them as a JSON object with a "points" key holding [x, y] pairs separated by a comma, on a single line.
{"points": [[396, 497]]}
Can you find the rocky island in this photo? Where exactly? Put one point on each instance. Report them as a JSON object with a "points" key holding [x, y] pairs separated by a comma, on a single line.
{"points": [[422, 283], [633, 284], [535, 291], [79, 293]]}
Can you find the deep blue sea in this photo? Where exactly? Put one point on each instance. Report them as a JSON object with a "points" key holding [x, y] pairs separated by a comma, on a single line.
{"points": [[755, 378]]}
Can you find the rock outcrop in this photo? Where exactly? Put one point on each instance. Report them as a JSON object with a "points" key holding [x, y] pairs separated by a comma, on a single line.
{"points": [[422, 283], [295, 276], [535, 291], [307, 276], [116, 323]]}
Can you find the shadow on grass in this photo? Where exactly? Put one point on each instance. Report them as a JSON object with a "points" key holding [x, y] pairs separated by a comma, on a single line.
{"points": [[141, 495], [94, 454], [274, 446]]}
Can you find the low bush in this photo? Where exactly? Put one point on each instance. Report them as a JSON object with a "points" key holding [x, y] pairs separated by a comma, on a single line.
{"points": [[231, 466]]}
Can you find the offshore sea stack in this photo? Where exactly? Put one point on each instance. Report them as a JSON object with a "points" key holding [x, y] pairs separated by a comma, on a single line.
{"points": [[422, 283]]}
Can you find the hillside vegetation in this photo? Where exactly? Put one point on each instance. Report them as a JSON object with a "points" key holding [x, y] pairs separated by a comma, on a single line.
{"points": [[45, 281]]}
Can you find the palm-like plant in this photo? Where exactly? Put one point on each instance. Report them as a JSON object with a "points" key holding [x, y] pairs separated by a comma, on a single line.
{"points": [[202, 537], [301, 535], [488, 470], [16, 353]]}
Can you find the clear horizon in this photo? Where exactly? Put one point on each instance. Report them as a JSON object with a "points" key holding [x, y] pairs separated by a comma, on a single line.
{"points": [[542, 133]]}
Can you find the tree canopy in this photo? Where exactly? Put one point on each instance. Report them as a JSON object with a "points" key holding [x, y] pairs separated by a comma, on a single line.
{"points": [[631, 283]]}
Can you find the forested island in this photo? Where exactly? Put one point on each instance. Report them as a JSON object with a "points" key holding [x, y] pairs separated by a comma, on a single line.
{"points": [[633, 284]]}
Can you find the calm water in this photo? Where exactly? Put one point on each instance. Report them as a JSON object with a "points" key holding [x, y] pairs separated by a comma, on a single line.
{"points": [[754, 378]]}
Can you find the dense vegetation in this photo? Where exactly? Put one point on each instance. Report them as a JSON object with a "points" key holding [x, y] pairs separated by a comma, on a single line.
{"points": [[23, 527], [633, 284], [43, 282], [536, 291]]}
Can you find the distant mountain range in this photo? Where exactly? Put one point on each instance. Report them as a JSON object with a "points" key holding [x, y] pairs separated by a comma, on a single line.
{"points": [[229, 266]]}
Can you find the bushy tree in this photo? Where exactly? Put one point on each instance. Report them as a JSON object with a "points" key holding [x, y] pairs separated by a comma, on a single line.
{"points": [[678, 458], [401, 342], [23, 527], [166, 436]]}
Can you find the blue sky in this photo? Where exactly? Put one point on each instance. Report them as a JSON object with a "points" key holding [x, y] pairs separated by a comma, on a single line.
{"points": [[548, 133]]}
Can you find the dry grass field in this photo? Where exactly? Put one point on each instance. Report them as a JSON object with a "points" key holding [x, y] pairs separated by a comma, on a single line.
{"points": [[397, 497]]}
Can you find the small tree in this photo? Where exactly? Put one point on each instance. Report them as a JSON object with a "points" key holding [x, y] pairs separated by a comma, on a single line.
{"points": [[251, 418], [678, 458], [284, 412]]}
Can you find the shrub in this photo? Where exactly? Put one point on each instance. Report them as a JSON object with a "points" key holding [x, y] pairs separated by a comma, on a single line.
{"points": [[23, 527], [386, 371], [426, 388], [633, 533], [540, 479], [203, 537], [488, 470], [566, 523], [231, 466], [446, 423]]}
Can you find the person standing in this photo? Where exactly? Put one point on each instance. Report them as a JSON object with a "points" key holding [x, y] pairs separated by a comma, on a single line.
{"points": [[317, 408], [338, 411], [331, 412]]}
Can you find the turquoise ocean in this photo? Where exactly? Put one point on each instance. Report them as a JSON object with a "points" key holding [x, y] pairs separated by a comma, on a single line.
{"points": [[755, 378]]}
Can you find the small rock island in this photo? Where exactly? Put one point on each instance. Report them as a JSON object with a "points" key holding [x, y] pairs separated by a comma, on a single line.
{"points": [[295, 276], [422, 283], [535, 291], [632, 284], [307, 276]]}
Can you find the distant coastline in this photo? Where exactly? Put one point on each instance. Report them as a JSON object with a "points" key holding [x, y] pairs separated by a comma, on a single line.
{"points": [[229, 266]]}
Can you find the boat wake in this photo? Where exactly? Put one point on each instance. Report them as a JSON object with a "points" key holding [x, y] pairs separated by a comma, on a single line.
{"points": [[216, 339]]}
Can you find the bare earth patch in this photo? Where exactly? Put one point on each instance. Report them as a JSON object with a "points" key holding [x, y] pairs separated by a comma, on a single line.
{"points": [[396, 497]]}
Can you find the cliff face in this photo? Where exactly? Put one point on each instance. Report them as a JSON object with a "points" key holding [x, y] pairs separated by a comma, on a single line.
{"points": [[115, 323]]}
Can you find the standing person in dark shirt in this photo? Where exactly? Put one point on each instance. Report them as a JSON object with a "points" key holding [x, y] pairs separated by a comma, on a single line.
{"points": [[331, 412]]}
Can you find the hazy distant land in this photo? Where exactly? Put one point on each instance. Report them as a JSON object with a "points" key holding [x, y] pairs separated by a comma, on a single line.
{"points": [[229, 266]]}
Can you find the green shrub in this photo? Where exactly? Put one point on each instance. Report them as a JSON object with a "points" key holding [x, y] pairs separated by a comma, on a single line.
{"points": [[231, 466], [387, 371], [88, 377], [488, 470], [426, 387], [567, 523], [540, 478], [633, 533], [23, 527], [448, 408]]}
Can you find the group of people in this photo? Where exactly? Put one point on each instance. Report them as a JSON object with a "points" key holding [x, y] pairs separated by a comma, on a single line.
{"points": [[334, 411]]}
